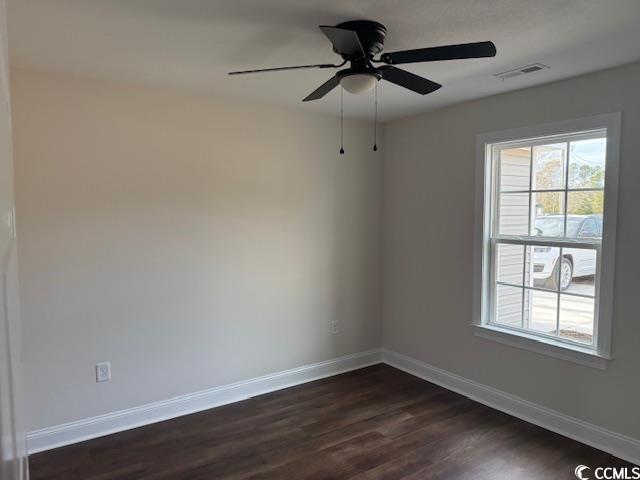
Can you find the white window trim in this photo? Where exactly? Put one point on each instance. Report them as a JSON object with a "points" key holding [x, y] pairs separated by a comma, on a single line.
{"points": [[599, 356]]}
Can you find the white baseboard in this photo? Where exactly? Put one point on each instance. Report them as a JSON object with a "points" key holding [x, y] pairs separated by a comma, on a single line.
{"points": [[616, 444], [619, 445], [80, 430]]}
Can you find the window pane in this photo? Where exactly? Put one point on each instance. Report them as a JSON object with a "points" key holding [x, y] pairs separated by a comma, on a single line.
{"points": [[548, 166], [586, 203], [510, 262], [547, 216], [540, 311], [554, 191], [587, 163], [579, 270], [541, 269], [514, 214], [508, 305], [515, 169], [576, 318]]}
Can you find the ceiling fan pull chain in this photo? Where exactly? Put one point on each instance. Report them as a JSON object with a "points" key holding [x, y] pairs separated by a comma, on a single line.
{"points": [[375, 120], [341, 121]]}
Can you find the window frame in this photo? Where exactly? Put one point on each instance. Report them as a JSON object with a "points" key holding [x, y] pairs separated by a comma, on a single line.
{"points": [[598, 355]]}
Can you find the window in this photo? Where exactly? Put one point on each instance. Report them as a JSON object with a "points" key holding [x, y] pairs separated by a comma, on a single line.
{"points": [[546, 227]]}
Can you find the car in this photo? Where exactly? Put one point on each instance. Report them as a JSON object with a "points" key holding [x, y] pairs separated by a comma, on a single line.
{"points": [[576, 262]]}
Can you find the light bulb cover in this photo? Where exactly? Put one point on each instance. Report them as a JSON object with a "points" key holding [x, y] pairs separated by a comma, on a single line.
{"points": [[358, 83]]}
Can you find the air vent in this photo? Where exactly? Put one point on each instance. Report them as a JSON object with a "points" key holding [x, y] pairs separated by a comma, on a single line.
{"points": [[516, 72]]}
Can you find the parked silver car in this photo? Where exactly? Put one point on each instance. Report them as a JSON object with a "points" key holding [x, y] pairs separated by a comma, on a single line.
{"points": [[576, 262]]}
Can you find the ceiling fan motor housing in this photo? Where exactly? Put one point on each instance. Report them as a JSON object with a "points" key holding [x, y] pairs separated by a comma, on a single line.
{"points": [[370, 33]]}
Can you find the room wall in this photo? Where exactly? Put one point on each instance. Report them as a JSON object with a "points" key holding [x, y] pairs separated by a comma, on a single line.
{"points": [[428, 249], [191, 242]]}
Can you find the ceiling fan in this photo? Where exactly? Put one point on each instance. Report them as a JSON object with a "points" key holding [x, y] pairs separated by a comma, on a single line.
{"points": [[359, 41]]}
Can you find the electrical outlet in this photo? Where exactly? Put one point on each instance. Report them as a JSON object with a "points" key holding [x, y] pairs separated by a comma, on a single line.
{"points": [[103, 372], [334, 327]]}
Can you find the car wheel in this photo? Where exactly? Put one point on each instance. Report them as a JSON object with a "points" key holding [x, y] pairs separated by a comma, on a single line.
{"points": [[566, 275]]}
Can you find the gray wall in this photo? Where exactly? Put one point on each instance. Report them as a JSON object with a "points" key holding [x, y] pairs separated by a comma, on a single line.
{"points": [[428, 177], [194, 242], [190, 241]]}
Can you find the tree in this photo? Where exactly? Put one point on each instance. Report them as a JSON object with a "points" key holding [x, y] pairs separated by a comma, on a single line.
{"points": [[585, 176], [580, 176]]}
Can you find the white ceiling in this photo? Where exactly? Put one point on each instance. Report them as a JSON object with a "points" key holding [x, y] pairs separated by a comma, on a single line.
{"points": [[192, 44]]}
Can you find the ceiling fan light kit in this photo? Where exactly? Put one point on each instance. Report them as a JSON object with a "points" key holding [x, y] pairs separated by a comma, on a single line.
{"points": [[359, 41], [358, 83]]}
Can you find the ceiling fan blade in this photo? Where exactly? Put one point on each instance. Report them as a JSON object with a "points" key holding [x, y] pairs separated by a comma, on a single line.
{"points": [[408, 80], [278, 69], [323, 89], [345, 42], [448, 52]]}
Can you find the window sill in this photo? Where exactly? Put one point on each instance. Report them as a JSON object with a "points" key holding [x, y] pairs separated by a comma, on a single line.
{"points": [[571, 353]]}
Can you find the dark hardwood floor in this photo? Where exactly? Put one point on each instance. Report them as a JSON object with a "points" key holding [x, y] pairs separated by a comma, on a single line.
{"points": [[374, 423]]}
